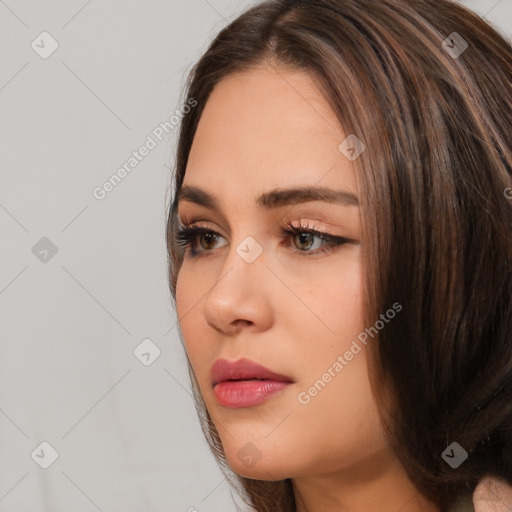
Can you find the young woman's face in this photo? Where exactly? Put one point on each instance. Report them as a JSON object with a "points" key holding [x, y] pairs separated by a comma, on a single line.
{"points": [[289, 302]]}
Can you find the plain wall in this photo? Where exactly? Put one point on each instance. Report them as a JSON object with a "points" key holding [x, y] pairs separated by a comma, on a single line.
{"points": [[126, 433]]}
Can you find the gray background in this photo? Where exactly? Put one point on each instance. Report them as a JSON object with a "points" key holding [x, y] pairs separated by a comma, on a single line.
{"points": [[125, 428]]}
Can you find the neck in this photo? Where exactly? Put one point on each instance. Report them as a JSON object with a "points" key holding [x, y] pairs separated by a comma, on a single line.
{"points": [[376, 485]]}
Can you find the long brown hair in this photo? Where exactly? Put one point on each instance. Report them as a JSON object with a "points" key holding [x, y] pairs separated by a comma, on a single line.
{"points": [[434, 110]]}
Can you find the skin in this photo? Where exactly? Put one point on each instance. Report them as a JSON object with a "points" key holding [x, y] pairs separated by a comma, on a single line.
{"points": [[264, 129]]}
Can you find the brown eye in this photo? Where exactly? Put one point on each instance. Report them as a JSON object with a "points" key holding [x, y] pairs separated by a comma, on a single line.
{"points": [[210, 239], [306, 240], [303, 239]]}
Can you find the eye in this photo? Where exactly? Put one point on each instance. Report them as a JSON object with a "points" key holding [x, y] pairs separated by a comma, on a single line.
{"points": [[188, 236], [303, 237], [208, 236], [305, 234]]}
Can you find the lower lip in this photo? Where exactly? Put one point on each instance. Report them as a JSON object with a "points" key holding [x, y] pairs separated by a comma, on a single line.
{"points": [[246, 393]]}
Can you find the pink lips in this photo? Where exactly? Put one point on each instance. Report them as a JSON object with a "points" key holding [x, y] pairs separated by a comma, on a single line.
{"points": [[245, 383]]}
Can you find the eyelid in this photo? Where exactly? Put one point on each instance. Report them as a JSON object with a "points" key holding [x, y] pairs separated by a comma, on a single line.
{"points": [[198, 224], [279, 227], [305, 225], [297, 223], [190, 232]]}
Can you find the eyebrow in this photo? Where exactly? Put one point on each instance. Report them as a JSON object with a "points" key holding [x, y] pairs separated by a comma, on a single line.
{"points": [[273, 199]]}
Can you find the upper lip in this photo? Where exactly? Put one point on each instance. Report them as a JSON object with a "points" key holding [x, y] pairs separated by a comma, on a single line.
{"points": [[243, 369]]}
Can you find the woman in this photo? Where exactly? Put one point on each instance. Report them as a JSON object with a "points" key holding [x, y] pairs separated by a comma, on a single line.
{"points": [[341, 256]]}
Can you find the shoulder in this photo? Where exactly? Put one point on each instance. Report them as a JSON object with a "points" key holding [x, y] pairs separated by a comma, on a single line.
{"points": [[490, 495]]}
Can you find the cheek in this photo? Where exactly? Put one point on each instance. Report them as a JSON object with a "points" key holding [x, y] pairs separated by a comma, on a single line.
{"points": [[337, 297], [187, 310], [182, 285], [188, 292], [337, 302], [346, 417]]}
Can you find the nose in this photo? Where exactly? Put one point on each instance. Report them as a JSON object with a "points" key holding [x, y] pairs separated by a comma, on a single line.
{"points": [[240, 296]]}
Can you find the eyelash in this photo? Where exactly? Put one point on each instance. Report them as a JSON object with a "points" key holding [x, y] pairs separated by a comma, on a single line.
{"points": [[188, 235]]}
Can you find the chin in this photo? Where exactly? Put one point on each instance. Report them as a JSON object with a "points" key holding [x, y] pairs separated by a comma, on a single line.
{"points": [[260, 471], [252, 460]]}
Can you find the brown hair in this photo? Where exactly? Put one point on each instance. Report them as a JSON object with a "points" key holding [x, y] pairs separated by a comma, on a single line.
{"points": [[436, 221]]}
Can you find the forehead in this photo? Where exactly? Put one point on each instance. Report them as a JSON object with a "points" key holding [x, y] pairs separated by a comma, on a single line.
{"points": [[268, 128]]}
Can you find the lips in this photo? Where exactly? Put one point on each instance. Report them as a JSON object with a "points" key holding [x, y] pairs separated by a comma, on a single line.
{"points": [[244, 383], [243, 369]]}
